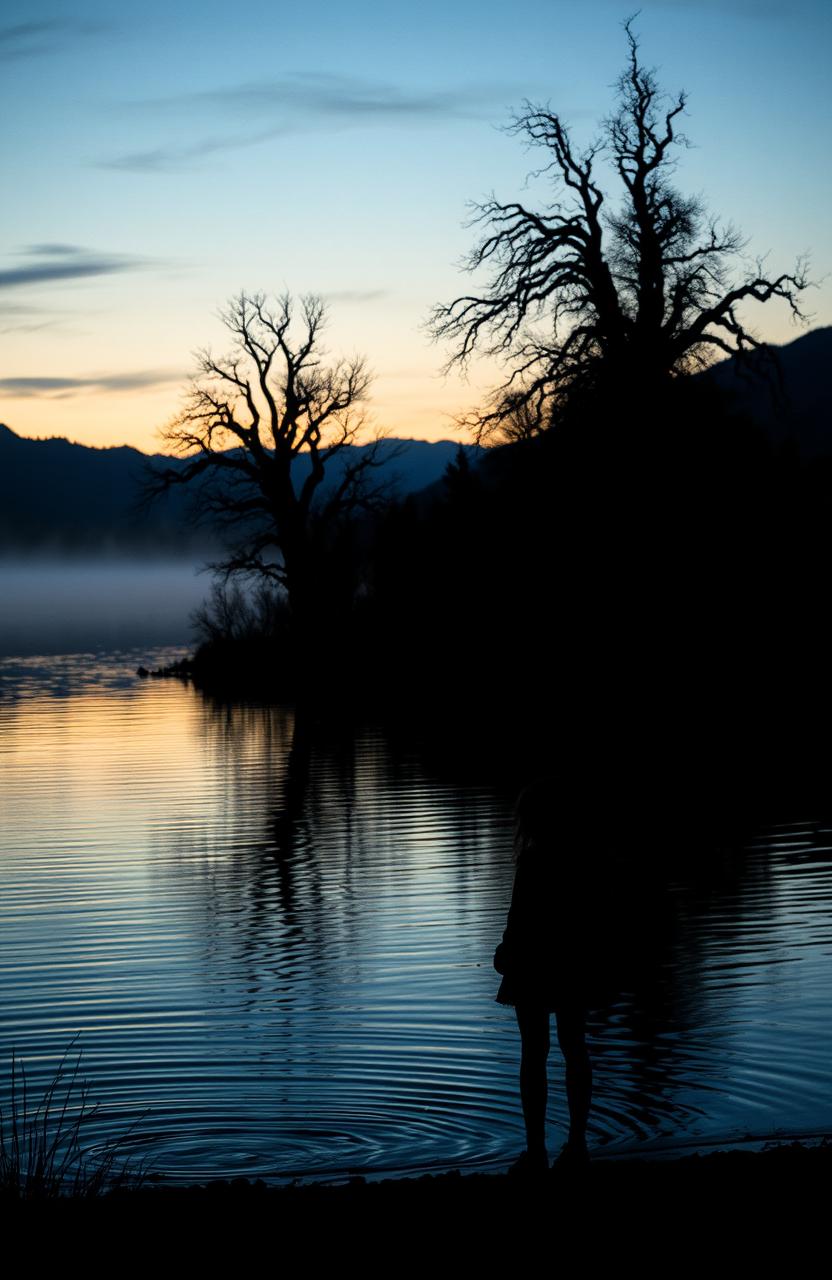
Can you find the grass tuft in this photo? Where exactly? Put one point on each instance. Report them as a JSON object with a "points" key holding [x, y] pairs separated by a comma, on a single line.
{"points": [[42, 1151]]}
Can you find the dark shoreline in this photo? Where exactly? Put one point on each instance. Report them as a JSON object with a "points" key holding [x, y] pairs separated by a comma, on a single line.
{"points": [[782, 1166], [728, 1209]]}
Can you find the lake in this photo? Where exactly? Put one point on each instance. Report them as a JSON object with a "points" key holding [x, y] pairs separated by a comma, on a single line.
{"points": [[271, 941], [59, 605]]}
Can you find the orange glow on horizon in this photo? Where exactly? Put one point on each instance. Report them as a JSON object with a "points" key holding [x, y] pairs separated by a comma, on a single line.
{"points": [[407, 407]]}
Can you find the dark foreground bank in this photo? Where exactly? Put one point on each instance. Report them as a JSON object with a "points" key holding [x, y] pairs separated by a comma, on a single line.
{"points": [[765, 1195]]}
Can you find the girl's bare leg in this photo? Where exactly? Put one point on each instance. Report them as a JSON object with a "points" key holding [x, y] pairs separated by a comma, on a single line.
{"points": [[533, 1022], [572, 1040]]}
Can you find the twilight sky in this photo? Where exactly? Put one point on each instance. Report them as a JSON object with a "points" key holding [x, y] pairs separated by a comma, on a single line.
{"points": [[158, 160]]}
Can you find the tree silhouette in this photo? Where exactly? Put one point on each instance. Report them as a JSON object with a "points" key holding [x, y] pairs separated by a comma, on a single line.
{"points": [[258, 433], [586, 296]]}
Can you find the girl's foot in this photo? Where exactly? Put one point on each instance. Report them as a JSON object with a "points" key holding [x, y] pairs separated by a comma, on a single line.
{"points": [[531, 1164], [573, 1157]]}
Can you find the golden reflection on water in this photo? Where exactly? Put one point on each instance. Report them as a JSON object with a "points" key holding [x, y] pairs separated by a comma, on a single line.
{"points": [[277, 935]]}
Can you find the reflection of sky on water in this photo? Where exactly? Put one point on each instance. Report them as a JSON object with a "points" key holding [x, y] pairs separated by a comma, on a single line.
{"points": [[277, 936]]}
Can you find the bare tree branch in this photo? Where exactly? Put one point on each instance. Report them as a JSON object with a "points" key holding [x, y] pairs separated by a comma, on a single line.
{"points": [[250, 421], [637, 292]]}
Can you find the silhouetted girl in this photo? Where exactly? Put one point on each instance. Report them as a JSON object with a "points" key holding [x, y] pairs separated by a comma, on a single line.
{"points": [[554, 958]]}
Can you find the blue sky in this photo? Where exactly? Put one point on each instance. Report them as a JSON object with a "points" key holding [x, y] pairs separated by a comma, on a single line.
{"points": [[158, 161]]}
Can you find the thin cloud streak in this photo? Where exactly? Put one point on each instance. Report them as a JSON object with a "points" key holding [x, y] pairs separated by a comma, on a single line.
{"points": [[65, 262], [175, 159], [51, 251], [50, 35], [303, 102], [18, 317], [22, 317], [21, 309], [30, 327], [327, 95], [59, 388]]}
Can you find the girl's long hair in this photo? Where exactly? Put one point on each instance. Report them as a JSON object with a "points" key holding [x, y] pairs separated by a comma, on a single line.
{"points": [[533, 818]]}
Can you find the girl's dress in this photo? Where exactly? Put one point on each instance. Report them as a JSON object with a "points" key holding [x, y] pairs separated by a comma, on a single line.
{"points": [[557, 949]]}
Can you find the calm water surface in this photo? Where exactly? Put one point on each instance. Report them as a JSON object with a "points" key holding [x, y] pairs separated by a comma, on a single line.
{"points": [[273, 943]]}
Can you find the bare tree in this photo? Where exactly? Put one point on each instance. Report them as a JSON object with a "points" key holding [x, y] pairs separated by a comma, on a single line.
{"points": [[583, 294], [258, 433]]}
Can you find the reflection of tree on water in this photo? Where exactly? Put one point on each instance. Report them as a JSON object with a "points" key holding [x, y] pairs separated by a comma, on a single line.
{"points": [[690, 877], [299, 866], [289, 914], [317, 807], [322, 819]]}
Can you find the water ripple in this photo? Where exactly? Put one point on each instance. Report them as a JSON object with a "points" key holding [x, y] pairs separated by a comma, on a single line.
{"points": [[273, 943]]}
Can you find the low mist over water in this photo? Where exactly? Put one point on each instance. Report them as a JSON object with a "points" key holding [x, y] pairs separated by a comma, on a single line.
{"points": [[50, 606]]}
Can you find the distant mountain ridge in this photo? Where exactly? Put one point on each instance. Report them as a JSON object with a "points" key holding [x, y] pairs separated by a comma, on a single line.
{"points": [[59, 496], [64, 497], [804, 417]]}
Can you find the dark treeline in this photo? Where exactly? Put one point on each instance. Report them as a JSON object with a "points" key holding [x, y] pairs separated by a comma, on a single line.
{"points": [[629, 588], [61, 498], [644, 580]]}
